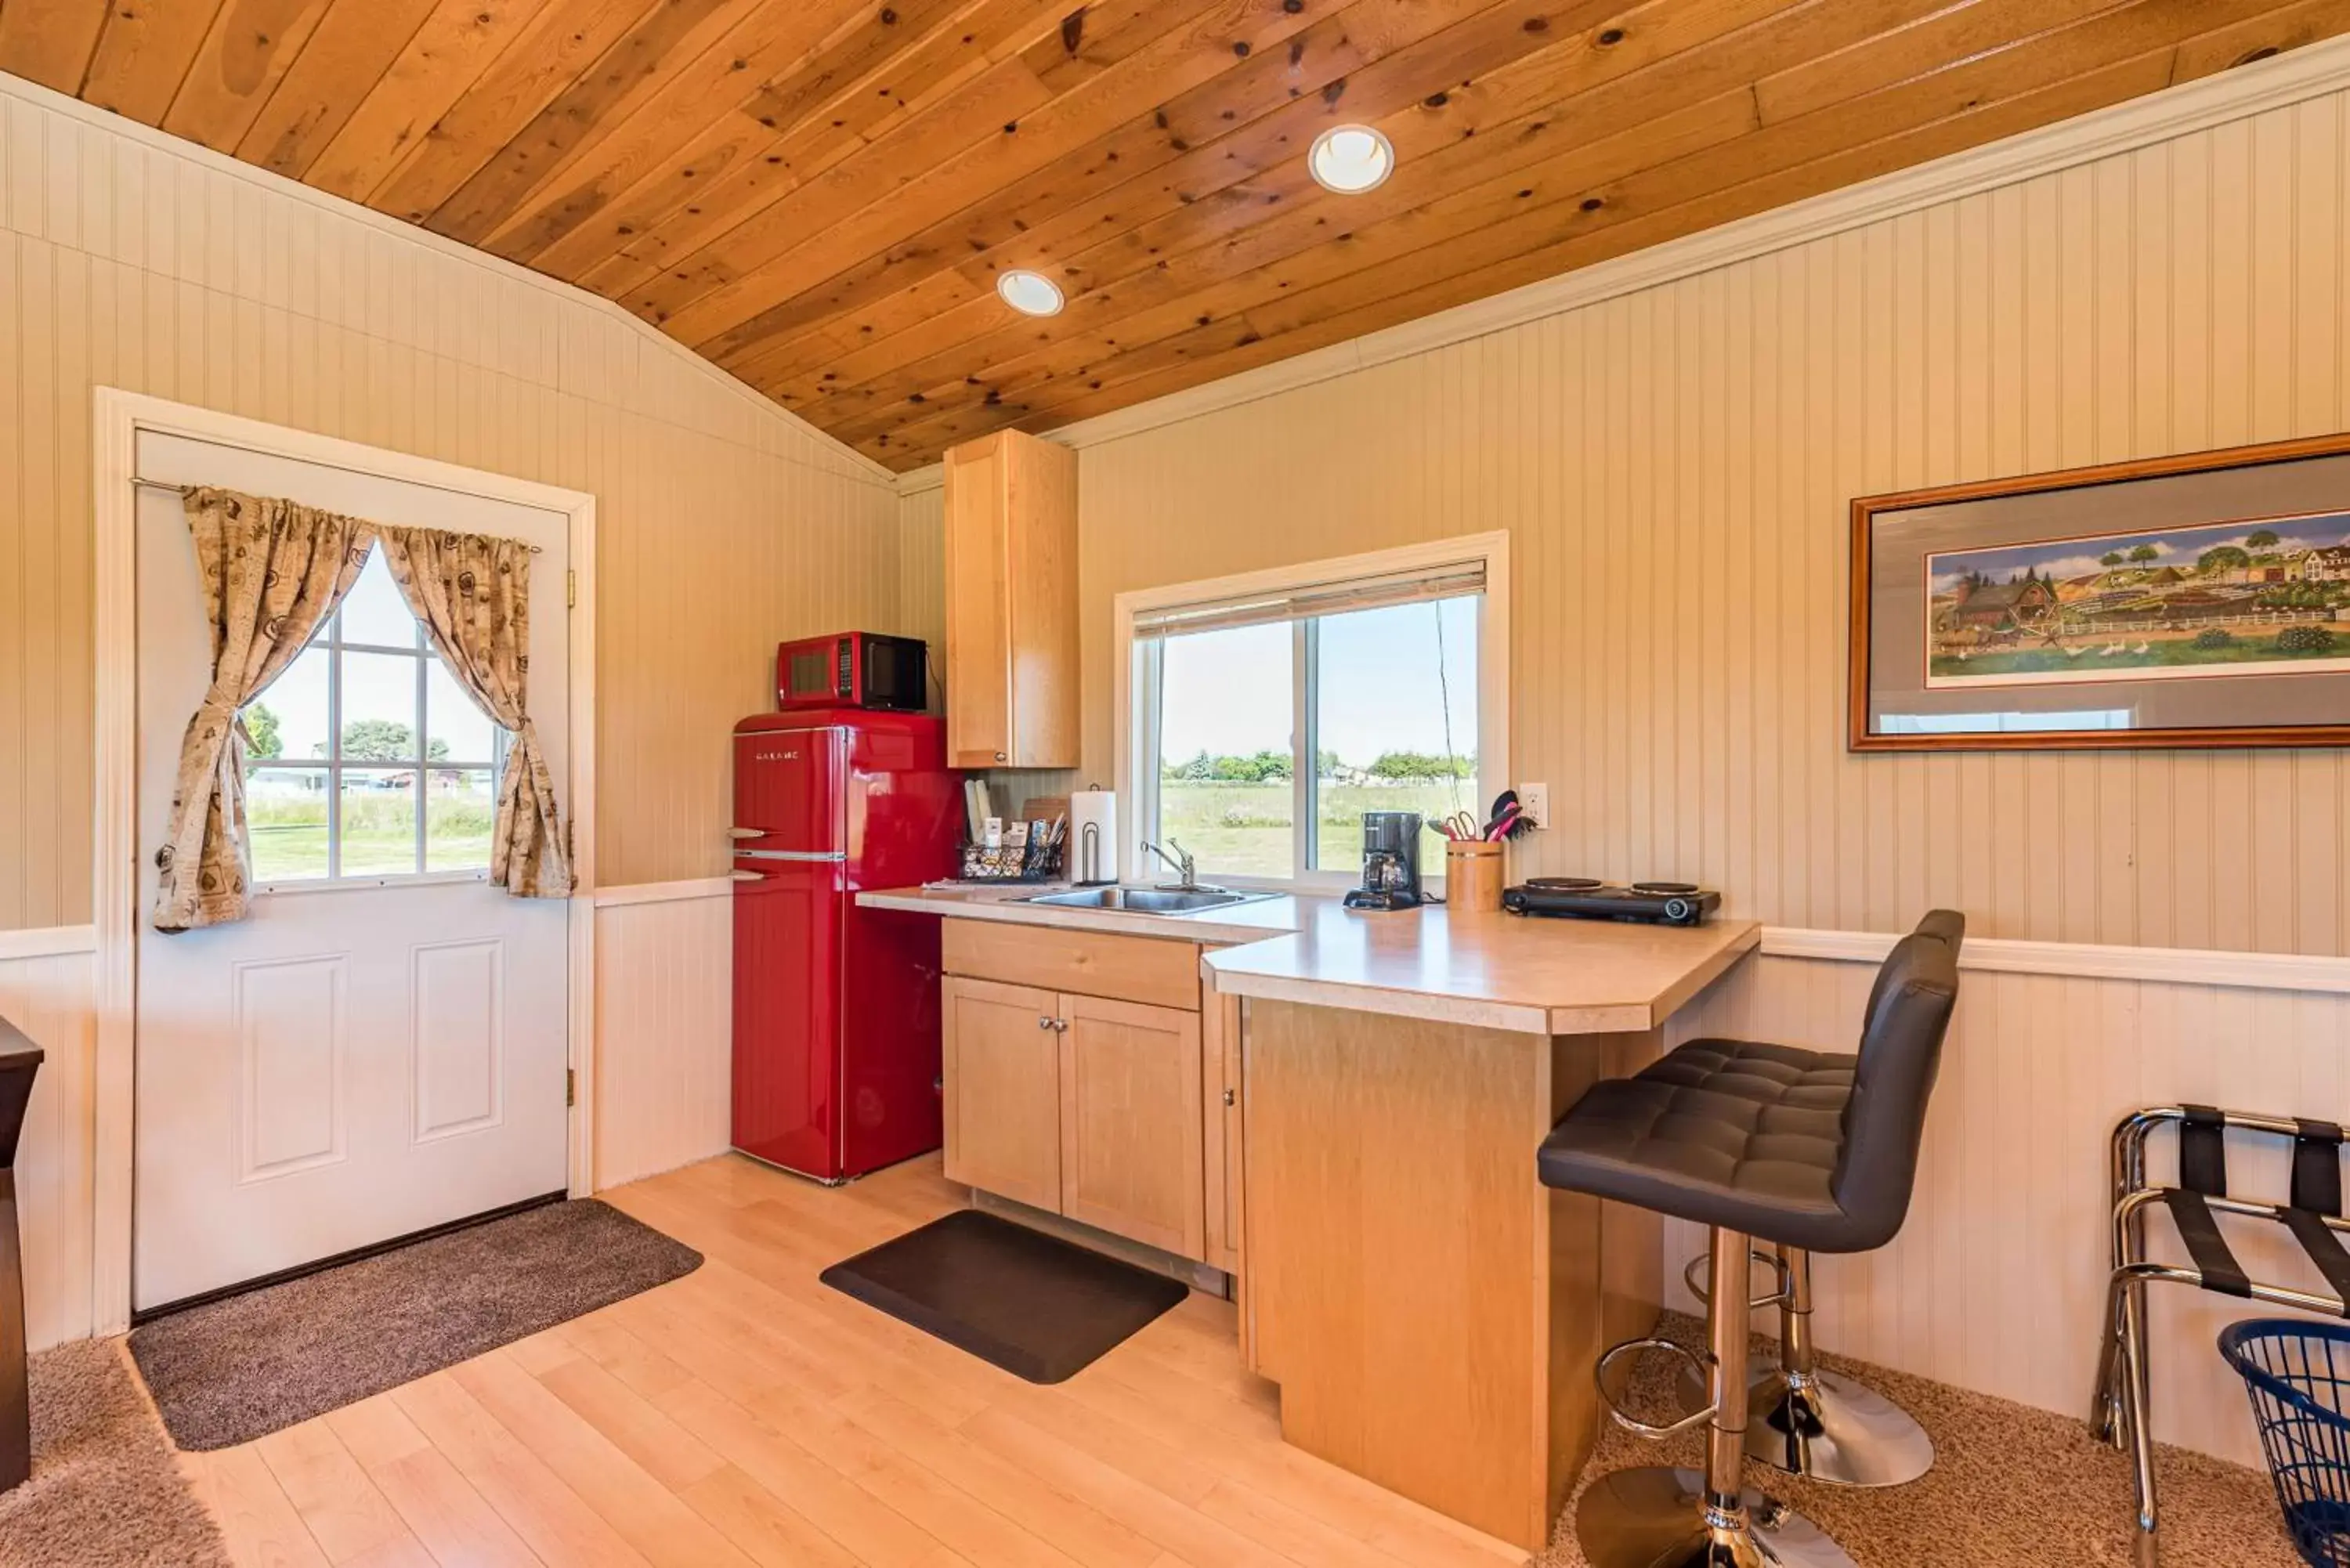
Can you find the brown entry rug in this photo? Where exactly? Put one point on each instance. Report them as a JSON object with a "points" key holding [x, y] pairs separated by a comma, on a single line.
{"points": [[2012, 1486], [1037, 1307], [105, 1491], [233, 1370]]}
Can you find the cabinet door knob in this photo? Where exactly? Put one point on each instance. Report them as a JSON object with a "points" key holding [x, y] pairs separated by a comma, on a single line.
{"points": [[999, 756], [1043, 1024], [1229, 1098], [1062, 1024]]}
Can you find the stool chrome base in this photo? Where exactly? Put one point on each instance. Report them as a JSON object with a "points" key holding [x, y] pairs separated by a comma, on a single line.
{"points": [[1655, 1517], [1829, 1430]]}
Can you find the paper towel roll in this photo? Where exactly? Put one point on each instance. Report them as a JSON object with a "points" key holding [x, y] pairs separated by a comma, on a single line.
{"points": [[1093, 836]]}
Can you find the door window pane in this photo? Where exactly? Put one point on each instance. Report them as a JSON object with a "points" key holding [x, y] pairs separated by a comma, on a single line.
{"points": [[1395, 720], [460, 808], [379, 718], [286, 820], [290, 720], [369, 759], [1226, 724], [373, 610], [379, 822], [455, 728]]}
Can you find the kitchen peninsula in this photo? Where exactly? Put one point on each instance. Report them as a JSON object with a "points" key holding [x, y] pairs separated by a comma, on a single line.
{"points": [[1431, 1312]]}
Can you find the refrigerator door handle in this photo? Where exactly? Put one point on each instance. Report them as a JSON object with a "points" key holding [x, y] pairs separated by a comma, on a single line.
{"points": [[819, 856], [746, 833], [747, 875]]}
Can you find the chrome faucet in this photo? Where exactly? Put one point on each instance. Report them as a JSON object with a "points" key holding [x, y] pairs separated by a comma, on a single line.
{"points": [[1186, 868]]}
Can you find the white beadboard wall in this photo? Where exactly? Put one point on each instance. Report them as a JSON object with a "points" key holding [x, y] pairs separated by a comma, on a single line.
{"points": [[1674, 466], [131, 260], [1997, 1281], [49, 999], [664, 1028]]}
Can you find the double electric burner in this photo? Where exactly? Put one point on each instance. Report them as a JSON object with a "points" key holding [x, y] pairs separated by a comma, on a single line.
{"points": [[1588, 899]]}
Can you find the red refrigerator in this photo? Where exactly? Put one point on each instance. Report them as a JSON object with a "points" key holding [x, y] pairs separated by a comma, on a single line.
{"points": [[836, 1007]]}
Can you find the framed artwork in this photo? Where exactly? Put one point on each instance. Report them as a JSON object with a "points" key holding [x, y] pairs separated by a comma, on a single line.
{"points": [[2200, 600]]}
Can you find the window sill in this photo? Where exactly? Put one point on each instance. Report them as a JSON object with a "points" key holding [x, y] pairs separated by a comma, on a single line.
{"points": [[370, 884]]}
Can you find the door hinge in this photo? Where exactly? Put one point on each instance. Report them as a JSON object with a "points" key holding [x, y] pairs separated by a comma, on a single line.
{"points": [[570, 1088], [571, 590]]}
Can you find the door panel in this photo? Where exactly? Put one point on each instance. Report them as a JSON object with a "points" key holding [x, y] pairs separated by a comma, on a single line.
{"points": [[1132, 1158], [292, 1048], [459, 1050], [355, 1061], [787, 923], [788, 790], [1002, 1071]]}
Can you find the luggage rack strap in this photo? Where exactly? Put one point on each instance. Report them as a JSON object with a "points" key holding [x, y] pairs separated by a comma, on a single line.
{"points": [[2215, 1265]]}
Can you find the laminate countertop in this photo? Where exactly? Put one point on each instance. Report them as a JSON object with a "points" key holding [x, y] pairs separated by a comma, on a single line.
{"points": [[1492, 971]]}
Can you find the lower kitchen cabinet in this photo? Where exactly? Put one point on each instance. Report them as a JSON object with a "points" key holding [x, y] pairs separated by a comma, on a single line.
{"points": [[1002, 1054], [1130, 1121]]}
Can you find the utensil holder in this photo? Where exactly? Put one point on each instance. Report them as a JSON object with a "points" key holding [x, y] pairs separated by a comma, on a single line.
{"points": [[1472, 877]]}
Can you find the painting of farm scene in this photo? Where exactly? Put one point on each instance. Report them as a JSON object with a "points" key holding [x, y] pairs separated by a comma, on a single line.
{"points": [[2265, 596]]}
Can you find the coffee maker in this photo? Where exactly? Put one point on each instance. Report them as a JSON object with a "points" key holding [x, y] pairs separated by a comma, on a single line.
{"points": [[1390, 862]]}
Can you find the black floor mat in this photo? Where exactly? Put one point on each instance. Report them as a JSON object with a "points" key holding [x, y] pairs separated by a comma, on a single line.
{"points": [[1034, 1304]]}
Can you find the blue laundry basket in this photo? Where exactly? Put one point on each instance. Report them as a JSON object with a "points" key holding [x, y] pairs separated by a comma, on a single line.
{"points": [[2298, 1376]]}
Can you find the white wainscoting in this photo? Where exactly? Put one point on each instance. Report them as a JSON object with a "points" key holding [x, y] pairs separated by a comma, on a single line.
{"points": [[664, 1025], [1997, 1281], [50, 997], [1994, 1285]]}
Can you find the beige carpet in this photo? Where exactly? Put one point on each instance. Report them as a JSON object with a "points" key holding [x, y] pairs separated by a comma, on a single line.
{"points": [[106, 1491], [2011, 1487]]}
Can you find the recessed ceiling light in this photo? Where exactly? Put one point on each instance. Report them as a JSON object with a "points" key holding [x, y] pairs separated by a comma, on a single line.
{"points": [[1351, 160], [1030, 293]]}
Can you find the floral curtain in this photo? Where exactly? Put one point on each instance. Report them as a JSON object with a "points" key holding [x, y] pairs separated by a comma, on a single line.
{"points": [[473, 594], [272, 572]]}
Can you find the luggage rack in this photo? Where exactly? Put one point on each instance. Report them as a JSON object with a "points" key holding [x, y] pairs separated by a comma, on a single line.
{"points": [[2313, 1215]]}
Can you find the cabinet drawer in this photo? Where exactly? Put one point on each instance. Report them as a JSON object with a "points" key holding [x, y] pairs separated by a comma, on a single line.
{"points": [[1156, 971]]}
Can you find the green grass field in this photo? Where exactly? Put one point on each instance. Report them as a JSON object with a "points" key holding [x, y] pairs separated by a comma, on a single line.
{"points": [[289, 834], [1244, 829], [2169, 652]]}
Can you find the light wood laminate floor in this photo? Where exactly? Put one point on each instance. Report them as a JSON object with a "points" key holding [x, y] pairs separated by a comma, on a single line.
{"points": [[747, 1414]]}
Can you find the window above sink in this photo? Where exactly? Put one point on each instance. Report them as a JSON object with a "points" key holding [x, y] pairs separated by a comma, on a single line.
{"points": [[1260, 716]]}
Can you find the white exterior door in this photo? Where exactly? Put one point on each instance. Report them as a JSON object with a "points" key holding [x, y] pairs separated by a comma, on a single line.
{"points": [[382, 1048]]}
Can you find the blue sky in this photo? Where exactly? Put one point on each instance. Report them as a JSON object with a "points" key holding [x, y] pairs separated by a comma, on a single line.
{"points": [[1229, 693], [2173, 547]]}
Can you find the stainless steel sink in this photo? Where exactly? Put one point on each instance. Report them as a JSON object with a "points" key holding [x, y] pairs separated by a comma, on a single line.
{"points": [[1147, 900]]}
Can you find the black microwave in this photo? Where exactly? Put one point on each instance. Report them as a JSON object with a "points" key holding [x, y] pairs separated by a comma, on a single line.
{"points": [[851, 669]]}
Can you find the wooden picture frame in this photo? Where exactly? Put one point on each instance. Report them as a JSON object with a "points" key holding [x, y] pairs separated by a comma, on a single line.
{"points": [[1911, 637]]}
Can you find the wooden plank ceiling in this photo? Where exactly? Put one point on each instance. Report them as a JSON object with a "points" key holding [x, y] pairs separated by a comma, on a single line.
{"points": [[818, 194]]}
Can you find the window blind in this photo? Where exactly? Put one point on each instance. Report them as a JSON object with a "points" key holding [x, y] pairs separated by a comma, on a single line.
{"points": [[1337, 597]]}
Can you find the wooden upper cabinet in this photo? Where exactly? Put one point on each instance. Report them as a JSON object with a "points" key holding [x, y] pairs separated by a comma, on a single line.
{"points": [[1012, 603]]}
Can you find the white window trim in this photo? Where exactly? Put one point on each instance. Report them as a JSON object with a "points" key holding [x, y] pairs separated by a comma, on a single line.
{"points": [[1136, 782]]}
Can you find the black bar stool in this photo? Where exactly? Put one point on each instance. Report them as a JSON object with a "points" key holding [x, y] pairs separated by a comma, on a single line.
{"points": [[1795, 1148]]}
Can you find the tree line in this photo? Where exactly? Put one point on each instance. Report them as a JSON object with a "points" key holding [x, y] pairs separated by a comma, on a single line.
{"points": [[1278, 767]]}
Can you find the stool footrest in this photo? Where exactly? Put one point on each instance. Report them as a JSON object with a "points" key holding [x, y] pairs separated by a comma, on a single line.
{"points": [[1614, 1400], [1778, 1266]]}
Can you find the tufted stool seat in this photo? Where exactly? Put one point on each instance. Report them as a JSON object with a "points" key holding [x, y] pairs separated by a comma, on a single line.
{"points": [[1809, 1151], [1729, 1132]]}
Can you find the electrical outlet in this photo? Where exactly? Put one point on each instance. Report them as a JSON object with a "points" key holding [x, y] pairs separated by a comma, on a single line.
{"points": [[1534, 799]]}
